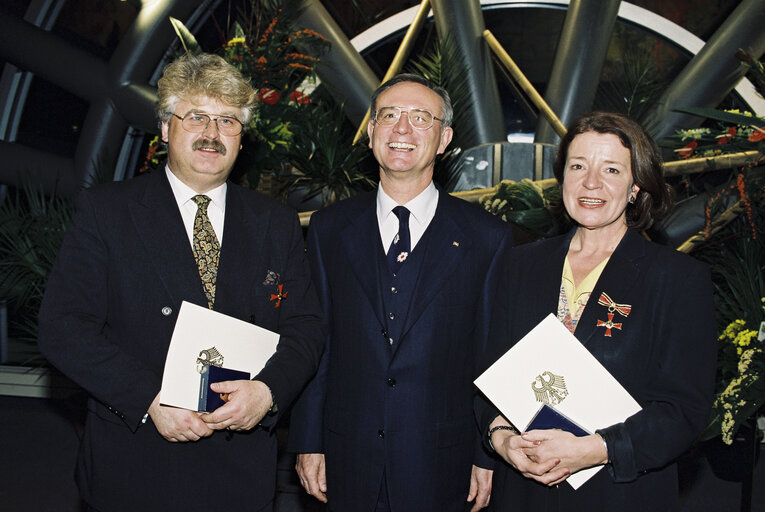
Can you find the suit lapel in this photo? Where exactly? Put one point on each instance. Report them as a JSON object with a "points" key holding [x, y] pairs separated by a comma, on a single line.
{"points": [[160, 227], [360, 241], [617, 280], [447, 244], [547, 274], [243, 233]]}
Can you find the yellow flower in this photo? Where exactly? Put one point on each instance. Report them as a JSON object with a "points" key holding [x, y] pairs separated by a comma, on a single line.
{"points": [[745, 360]]}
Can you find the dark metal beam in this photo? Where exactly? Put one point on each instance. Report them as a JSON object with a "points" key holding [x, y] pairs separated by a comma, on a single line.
{"points": [[22, 163], [48, 56], [463, 21], [713, 72], [118, 91], [579, 58], [348, 77]]}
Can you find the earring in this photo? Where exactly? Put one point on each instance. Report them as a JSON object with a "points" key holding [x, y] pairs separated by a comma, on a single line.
{"points": [[631, 199]]}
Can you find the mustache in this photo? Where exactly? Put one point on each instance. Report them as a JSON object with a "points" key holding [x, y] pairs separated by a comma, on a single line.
{"points": [[215, 145]]}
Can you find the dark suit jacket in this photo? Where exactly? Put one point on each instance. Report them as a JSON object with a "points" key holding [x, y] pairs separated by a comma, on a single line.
{"points": [[664, 355], [106, 321], [405, 408]]}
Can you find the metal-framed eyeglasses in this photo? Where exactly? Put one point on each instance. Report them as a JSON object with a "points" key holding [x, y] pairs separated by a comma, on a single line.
{"points": [[418, 118], [195, 122]]}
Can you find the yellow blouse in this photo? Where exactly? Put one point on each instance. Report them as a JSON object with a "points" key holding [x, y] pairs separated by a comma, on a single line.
{"points": [[573, 298]]}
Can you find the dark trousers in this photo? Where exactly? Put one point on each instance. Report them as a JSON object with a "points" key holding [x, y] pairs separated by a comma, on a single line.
{"points": [[383, 504]]}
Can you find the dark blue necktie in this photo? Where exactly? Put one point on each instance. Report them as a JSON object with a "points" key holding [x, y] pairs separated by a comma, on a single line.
{"points": [[400, 247]]}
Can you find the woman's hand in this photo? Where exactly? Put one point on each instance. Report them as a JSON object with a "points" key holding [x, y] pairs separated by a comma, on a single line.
{"points": [[512, 448], [573, 453]]}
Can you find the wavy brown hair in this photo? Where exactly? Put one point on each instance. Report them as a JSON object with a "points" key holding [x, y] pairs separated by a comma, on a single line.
{"points": [[654, 198], [194, 76]]}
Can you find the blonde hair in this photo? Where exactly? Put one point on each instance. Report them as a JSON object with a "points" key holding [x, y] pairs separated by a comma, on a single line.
{"points": [[205, 74]]}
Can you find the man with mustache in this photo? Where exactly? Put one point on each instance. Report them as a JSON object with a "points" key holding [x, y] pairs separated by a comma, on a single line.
{"points": [[406, 276], [134, 252]]}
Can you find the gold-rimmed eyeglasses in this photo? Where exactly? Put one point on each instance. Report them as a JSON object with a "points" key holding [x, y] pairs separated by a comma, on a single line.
{"points": [[195, 122], [418, 118]]}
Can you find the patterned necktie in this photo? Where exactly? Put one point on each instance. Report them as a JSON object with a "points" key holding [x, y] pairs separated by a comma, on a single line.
{"points": [[400, 247], [206, 248]]}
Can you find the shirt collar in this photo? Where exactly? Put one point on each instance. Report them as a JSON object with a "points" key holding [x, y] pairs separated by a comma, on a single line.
{"points": [[420, 207], [183, 193]]}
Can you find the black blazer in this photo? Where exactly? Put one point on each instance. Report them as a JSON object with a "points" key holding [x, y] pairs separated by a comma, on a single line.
{"points": [[405, 408], [664, 355], [106, 320]]}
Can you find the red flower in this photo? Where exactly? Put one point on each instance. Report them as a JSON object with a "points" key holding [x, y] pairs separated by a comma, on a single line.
{"points": [[728, 136], [687, 150], [268, 96], [757, 135], [300, 98]]}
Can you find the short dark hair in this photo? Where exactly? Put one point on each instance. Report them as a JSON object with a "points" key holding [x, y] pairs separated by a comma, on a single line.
{"points": [[654, 198], [447, 112]]}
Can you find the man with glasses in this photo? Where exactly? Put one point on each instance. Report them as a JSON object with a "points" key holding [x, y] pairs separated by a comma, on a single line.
{"points": [[134, 252], [406, 276]]}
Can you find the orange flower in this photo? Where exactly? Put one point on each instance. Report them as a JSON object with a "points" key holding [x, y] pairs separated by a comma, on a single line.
{"points": [[268, 96], [299, 98], [724, 139], [757, 135], [687, 150], [740, 185]]}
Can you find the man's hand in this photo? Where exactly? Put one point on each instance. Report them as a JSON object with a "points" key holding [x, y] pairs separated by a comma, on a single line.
{"points": [[177, 425], [247, 401], [313, 474], [480, 488]]}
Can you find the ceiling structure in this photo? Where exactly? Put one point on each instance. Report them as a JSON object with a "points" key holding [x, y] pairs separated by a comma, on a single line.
{"points": [[78, 77]]}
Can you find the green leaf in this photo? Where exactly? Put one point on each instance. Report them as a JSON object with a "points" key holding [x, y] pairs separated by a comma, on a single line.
{"points": [[188, 40], [721, 115], [238, 30]]}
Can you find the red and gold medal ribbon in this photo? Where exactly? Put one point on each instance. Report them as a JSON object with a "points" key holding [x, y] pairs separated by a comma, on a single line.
{"points": [[622, 309]]}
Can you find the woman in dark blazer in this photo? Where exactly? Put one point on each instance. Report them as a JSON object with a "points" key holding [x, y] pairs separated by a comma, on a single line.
{"points": [[644, 311]]}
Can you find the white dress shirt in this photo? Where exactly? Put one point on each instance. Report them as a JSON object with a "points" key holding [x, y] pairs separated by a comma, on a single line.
{"points": [[422, 210], [216, 210]]}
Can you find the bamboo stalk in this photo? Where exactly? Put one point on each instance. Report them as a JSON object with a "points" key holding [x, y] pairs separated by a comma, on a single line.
{"points": [[720, 222], [695, 165], [401, 55], [527, 87]]}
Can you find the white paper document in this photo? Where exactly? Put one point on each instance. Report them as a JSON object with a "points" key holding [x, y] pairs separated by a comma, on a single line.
{"points": [[549, 365], [201, 333]]}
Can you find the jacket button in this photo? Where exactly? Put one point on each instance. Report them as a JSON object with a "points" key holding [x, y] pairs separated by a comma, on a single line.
{"points": [[167, 311], [393, 289], [392, 383], [381, 433], [392, 316]]}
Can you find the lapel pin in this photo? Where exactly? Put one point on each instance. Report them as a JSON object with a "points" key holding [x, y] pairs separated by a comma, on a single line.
{"points": [[271, 278], [456, 244]]}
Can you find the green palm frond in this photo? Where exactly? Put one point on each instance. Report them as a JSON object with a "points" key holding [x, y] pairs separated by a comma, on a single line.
{"points": [[443, 65], [324, 161], [633, 88], [523, 204], [32, 227]]}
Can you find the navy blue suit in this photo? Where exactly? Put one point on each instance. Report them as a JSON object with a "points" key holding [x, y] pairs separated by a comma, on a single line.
{"points": [[664, 355], [404, 407], [109, 311]]}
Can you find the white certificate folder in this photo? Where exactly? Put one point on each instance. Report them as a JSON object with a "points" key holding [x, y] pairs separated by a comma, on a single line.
{"points": [[202, 336], [549, 365]]}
